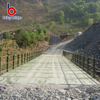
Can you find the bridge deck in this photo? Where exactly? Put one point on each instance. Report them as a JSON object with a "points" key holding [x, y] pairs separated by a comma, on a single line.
{"points": [[48, 69]]}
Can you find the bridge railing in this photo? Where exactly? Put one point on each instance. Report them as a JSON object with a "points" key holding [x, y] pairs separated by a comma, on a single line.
{"points": [[88, 64], [11, 62]]}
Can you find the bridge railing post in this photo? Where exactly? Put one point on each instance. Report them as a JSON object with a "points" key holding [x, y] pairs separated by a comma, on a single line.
{"points": [[21, 59], [31, 55], [83, 62], [80, 60], [18, 60], [73, 57], [35, 53], [7, 63], [13, 61], [77, 59], [93, 68], [27, 57], [0, 65], [87, 65], [24, 57]]}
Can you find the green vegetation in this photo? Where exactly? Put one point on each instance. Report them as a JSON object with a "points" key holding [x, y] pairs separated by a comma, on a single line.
{"points": [[59, 16], [77, 15], [83, 10], [52, 24], [25, 38], [5, 35], [90, 21]]}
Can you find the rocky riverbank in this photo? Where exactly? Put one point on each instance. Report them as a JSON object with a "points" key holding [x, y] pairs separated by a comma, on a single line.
{"points": [[48, 92]]}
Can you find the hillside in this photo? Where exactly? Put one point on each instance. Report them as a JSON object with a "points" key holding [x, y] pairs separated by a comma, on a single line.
{"points": [[31, 11], [77, 15], [11, 47]]}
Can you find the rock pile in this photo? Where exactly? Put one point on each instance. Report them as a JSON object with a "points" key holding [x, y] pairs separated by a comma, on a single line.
{"points": [[88, 43], [48, 92], [54, 39]]}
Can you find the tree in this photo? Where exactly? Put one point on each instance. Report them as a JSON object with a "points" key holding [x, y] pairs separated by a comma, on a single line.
{"points": [[96, 16], [93, 7], [81, 10], [85, 17], [60, 17], [90, 21], [72, 11], [86, 8], [22, 38]]}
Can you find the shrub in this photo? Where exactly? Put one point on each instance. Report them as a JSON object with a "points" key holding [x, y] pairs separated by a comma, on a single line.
{"points": [[39, 30], [22, 37], [25, 38], [60, 17], [6, 35], [52, 24], [45, 31]]}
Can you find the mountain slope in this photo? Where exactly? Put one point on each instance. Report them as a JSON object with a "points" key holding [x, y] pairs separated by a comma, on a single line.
{"points": [[31, 11]]}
